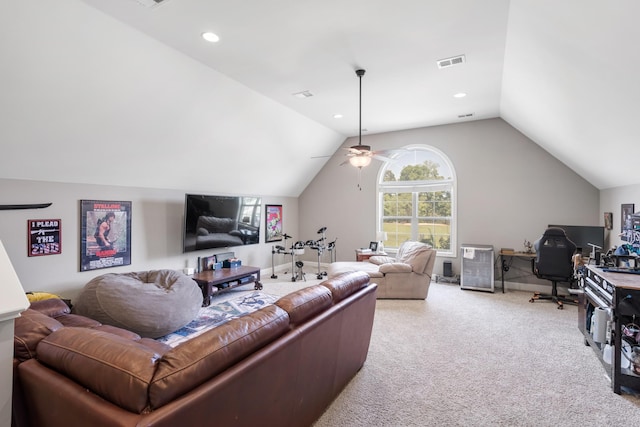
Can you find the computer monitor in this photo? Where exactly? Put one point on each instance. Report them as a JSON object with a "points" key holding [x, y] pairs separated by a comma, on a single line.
{"points": [[584, 236]]}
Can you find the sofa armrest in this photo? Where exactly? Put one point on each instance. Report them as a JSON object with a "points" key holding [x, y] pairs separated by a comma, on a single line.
{"points": [[381, 259], [395, 267]]}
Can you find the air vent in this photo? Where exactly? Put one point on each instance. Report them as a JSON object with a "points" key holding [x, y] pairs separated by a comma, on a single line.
{"points": [[465, 116], [303, 94], [450, 62], [151, 3]]}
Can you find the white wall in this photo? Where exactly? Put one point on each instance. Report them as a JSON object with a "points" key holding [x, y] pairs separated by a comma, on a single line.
{"points": [[509, 189], [87, 99], [156, 235]]}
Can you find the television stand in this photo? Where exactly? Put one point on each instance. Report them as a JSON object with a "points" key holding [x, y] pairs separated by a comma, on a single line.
{"points": [[226, 279]]}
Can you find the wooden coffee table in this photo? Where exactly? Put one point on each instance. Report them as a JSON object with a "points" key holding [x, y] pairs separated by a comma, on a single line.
{"points": [[237, 276]]}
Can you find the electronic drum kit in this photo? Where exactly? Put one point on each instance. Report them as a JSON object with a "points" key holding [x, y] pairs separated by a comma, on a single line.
{"points": [[298, 249]]}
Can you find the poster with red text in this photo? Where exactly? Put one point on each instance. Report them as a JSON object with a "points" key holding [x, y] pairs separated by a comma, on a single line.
{"points": [[105, 235]]}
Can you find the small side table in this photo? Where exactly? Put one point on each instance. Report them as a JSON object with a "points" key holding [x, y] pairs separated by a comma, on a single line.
{"points": [[364, 256]]}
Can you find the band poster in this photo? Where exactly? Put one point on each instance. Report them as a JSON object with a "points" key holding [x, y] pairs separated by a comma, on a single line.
{"points": [[273, 222], [45, 237], [105, 234]]}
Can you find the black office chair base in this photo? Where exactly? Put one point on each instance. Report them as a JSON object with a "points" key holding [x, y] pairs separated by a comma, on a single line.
{"points": [[558, 299]]}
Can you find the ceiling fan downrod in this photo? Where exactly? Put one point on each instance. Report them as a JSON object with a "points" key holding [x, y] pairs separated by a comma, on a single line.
{"points": [[360, 147]]}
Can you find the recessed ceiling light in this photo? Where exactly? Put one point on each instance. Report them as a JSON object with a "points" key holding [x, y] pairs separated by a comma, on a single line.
{"points": [[338, 116], [210, 37], [460, 95]]}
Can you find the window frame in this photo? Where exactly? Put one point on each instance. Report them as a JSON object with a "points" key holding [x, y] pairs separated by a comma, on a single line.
{"points": [[416, 187]]}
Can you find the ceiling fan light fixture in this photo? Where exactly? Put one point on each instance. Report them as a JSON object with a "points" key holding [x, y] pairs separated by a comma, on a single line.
{"points": [[360, 161]]}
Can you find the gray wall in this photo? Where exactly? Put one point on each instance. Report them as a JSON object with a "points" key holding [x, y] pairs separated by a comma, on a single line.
{"points": [[610, 201], [156, 235], [509, 189]]}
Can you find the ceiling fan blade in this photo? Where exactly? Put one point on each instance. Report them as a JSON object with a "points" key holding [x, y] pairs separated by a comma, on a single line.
{"points": [[382, 158], [354, 151], [391, 152], [319, 157]]}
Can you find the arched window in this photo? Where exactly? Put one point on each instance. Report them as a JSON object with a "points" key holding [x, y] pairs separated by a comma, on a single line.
{"points": [[417, 199]]}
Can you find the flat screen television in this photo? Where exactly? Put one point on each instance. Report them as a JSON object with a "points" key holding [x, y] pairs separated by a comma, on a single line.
{"points": [[220, 221], [582, 235]]}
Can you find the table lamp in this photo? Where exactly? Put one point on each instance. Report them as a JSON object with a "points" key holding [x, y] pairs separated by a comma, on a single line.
{"points": [[382, 237]]}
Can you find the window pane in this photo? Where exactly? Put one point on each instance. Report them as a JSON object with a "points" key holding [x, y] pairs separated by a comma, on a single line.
{"points": [[398, 231], [397, 204]]}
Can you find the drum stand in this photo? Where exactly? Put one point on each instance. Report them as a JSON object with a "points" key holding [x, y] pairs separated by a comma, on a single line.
{"points": [[299, 272], [273, 268], [323, 247], [332, 251], [297, 249], [278, 250]]}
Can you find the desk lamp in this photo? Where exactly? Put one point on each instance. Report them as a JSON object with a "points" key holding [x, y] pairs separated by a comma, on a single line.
{"points": [[382, 237]]}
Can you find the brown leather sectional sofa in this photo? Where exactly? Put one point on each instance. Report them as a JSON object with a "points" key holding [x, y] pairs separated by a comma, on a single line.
{"points": [[279, 366]]}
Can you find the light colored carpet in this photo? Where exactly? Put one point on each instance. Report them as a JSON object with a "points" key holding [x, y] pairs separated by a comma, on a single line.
{"points": [[468, 358]]}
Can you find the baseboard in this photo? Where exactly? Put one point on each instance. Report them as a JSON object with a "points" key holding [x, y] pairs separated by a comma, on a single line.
{"points": [[529, 287]]}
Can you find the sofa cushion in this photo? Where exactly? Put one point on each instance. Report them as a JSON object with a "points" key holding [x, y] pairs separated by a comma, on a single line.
{"points": [[151, 304], [346, 284], [52, 307], [305, 303], [195, 361], [115, 368], [29, 329], [337, 268], [78, 321]]}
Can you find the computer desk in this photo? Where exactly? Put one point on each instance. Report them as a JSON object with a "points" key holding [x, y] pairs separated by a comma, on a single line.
{"points": [[503, 261]]}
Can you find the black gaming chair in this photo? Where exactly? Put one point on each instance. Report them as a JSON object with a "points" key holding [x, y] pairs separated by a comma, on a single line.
{"points": [[553, 262]]}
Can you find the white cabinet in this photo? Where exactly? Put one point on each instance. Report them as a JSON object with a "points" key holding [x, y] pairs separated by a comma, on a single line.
{"points": [[477, 267]]}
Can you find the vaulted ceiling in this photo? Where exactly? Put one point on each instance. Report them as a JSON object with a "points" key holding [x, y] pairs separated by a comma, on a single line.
{"points": [[562, 72]]}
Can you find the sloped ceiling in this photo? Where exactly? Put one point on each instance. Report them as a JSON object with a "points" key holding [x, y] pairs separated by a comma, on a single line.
{"points": [[131, 95]]}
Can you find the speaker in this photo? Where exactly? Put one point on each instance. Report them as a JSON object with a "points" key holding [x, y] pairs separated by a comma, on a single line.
{"points": [[447, 270]]}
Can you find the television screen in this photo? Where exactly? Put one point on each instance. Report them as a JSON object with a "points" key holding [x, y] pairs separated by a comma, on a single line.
{"points": [[582, 235], [220, 221]]}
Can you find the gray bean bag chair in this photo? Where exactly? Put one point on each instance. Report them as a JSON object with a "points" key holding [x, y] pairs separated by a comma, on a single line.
{"points": [[149, 303]]}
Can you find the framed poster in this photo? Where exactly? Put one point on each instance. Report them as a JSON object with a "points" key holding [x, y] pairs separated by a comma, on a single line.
{"points": [[625, 217], [105, 234], [44, 237], [273, 223]]}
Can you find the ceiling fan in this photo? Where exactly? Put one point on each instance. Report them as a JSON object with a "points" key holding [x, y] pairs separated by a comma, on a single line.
{"points": [[360, 155]]}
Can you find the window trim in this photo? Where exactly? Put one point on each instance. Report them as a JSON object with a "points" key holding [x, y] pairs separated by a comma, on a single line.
{"points": [[418, 186]]}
